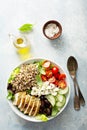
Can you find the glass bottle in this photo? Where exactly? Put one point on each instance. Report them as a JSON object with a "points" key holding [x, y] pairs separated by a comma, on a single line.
{"points": [[22, 45]]}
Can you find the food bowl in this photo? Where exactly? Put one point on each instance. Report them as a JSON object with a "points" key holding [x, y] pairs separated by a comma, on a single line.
{"points": [[52, 29], [52, 87]]}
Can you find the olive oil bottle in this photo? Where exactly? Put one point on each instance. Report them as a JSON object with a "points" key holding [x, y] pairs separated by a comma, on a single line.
{"points": [[22, 45]]}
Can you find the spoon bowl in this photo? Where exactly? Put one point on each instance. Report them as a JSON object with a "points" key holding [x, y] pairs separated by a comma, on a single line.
{"points": [[72, 66]]}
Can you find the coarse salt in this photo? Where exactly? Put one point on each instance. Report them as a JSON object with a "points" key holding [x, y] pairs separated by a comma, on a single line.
{"points": [[51, 29]]}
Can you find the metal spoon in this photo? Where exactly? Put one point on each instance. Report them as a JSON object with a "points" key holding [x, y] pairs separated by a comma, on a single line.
{"points": [[72, 66]]}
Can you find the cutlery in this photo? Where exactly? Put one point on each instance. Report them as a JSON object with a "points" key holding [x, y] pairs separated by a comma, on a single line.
{"points": [[72, 66]]}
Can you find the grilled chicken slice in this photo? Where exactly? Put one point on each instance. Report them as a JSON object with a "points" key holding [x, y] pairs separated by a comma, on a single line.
{"points": [[30, 105], [18, 98]]}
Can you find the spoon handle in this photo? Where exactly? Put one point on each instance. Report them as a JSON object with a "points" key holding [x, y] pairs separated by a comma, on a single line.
{"points": [[76, 98], [76, 103], [81, 98]]}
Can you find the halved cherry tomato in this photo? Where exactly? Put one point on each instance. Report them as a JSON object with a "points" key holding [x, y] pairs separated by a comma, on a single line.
{"points": [[46, 64], [62, 76], [62, 84], [52, 79], [49, 73], [56, 83], [43, 77], [55, 70], [57, 75]]}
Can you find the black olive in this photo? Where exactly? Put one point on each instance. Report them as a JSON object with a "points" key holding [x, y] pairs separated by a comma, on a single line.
{"points": [[42, 103], [48, 112], [9, 87], [47, 103], [42, 97], [46, 107]]}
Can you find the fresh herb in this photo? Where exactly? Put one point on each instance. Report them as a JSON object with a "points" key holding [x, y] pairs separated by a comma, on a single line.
{"points": [[10, 96], [26, 27], [13, 74], [42, 117], [41, 70], [51, 66], [40, 67], [41, 62], [39, 80], [28, 91]]}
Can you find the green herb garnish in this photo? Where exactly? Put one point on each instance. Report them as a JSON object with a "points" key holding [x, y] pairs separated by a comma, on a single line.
{"points": [[10, 96], [28, 91], [40, 67], [41, 70], [26, 27], [41, 62], [39, 80]]}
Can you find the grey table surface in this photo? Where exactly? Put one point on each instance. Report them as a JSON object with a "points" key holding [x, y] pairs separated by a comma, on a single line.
{"points": [[72, 14]]}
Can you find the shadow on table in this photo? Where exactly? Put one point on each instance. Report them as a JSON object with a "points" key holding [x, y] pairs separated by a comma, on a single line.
{"points": [[59, 43]]}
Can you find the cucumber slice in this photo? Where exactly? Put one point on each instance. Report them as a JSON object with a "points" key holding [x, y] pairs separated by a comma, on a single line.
{"points": [[60, 97], [61, 104], [63, 91], [51, 99], [59, 108]]}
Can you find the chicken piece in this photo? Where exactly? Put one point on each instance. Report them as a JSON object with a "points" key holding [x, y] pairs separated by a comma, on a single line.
{"points": [[18, 96], [28, 104]]}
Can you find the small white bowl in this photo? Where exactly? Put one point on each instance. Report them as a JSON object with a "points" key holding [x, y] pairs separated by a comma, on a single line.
{"points": [[33, 119]]}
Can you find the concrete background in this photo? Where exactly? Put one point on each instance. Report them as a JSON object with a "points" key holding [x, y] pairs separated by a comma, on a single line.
{"points": [[72, 14]]}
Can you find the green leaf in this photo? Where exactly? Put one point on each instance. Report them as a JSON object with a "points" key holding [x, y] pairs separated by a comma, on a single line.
{"points": [[11, 78], [37, 64], [41, 62], [13, 74], [28, 91], [39, 80], [51, 66], [42, 70], [40, 67], [42, 117], [26, 27], [10, 95], [54, 111]]}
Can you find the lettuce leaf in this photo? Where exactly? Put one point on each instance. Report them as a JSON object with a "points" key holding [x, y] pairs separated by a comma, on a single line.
{"points": [[42, 117], [10, 96], [13, 74]]}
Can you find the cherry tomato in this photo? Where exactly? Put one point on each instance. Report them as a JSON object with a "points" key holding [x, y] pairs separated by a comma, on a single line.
{"points": [[62, 84], [62, 76], [46, 64], [52, 79], [57, 75], [43, 77], [55, 70], [56, 83], [49, 73]]}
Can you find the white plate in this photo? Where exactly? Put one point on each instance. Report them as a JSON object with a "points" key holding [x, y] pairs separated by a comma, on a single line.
{"points": [[33, 119]]}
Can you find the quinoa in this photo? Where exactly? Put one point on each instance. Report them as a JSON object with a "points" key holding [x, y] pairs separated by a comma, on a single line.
{"points": [[25, 79]]}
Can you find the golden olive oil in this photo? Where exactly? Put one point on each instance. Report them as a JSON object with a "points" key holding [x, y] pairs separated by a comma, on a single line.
{"points": [[22, 45]]}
